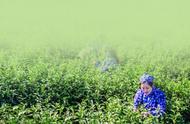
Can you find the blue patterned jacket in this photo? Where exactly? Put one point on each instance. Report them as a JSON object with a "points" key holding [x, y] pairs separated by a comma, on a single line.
{"points": [[155, 102]]}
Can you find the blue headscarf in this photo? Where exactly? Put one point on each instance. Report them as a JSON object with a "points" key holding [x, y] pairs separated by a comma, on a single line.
{"points": [[146, 78]]}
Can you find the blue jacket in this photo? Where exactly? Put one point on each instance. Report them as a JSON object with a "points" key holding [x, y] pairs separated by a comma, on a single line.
{"points": [[155, 102]]}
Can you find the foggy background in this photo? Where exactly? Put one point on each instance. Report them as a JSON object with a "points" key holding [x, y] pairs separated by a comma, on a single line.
{"points": [[78, 22]]}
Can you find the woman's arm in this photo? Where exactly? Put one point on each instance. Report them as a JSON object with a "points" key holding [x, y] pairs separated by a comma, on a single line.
{"points": [[137, 99], [161, 105]]}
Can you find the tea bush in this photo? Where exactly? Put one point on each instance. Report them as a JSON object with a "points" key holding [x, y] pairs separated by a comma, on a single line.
{"points": [[58, 87]]}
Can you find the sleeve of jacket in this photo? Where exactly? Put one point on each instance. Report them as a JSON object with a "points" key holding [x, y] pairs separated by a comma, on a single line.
{"points": [[138, 99], [161, 108]]}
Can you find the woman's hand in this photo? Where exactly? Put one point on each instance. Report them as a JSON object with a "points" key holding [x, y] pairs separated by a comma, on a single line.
{"points": [[135, 110], [145, 114]]}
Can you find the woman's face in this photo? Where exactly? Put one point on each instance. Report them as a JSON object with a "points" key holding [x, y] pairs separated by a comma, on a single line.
{"points": [[146, 88]]}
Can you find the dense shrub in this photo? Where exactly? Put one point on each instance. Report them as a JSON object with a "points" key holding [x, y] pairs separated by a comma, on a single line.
{"points": [[57, 88]]}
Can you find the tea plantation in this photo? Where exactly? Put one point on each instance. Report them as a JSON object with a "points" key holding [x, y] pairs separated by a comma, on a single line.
{"points": [[54, 85]]}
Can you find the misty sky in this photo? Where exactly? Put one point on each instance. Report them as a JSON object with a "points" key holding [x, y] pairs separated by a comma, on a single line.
{"points": [[89, 20]]}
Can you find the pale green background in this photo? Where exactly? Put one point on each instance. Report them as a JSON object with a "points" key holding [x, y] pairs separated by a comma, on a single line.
{"points": [[69, 21]]}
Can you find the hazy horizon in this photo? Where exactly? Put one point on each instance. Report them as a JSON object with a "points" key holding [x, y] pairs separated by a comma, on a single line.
{"points": [[118, 22]]}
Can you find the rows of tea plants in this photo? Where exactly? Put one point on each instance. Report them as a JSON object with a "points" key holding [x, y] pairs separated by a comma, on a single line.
{"points": [[56, 86]]}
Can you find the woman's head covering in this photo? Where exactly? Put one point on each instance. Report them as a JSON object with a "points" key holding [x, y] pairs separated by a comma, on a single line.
{"points": [[146, 78]]}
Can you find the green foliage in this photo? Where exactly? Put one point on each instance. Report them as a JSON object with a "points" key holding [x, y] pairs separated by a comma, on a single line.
{"points": [[55, 87]]}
